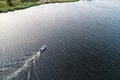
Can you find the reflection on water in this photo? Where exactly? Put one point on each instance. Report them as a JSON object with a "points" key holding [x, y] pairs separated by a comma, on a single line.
{"points": [[82, 38]]}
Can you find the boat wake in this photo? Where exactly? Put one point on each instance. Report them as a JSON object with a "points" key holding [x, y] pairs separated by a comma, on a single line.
{"points": [[26, 64], [20, 68]]}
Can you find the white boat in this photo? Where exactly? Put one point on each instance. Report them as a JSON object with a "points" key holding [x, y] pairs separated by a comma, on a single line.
{"points": [[42, 48]]}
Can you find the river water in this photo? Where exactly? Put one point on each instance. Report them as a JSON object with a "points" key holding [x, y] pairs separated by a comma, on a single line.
{"points": [[82, 39]]}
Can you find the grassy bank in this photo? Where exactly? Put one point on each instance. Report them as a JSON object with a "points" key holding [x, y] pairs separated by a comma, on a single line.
{"points": [[6, 6]]}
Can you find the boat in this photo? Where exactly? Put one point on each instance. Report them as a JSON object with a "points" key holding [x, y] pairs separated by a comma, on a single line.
{"points": [[42, 48]]}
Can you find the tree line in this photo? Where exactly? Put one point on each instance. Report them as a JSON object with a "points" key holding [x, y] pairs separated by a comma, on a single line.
{"points": [[10, 3]]}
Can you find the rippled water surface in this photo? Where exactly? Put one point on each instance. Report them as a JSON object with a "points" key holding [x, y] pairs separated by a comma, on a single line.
{"points": [[82, 38]]}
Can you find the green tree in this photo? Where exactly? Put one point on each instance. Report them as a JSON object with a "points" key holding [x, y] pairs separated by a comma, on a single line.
{"points": [[10, 2]]}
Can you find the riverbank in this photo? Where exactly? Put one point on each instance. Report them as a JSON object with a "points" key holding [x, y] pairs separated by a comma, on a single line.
{"points": [[18, 4]]}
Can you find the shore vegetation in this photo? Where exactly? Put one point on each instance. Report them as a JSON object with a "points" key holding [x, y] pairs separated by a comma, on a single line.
{"points": [[11, 5]]}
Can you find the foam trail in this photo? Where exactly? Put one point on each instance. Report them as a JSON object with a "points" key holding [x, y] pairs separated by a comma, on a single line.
{"points": [[28, 76], [27, 63]]}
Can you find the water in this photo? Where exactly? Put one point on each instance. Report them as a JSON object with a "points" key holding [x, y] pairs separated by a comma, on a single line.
{"points": [[82, 38]]}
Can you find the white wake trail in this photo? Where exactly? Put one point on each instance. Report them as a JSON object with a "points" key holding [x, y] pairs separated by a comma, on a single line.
{"points": [[28, 76], [26, 64]]}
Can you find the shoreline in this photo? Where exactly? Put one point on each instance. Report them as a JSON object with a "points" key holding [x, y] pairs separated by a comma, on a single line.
{"points": [[30, 4]]}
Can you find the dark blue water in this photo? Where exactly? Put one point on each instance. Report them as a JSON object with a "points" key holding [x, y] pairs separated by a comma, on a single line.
{"points": [[82, 38]]}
